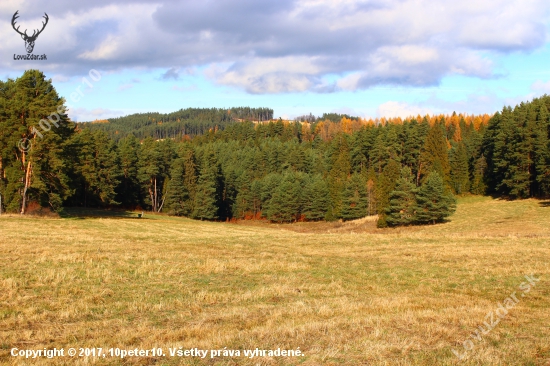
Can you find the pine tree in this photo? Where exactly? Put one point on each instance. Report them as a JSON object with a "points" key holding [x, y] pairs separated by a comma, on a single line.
{"points": [[434, 155], [515, 146], [354, 203], [208, 190], [412, 146], [402, 206], [150, 171], [286, 203], [460, 175], [35, 161], [433, 203], [190, 175], [371, 185], [129, 192], [97, 169], [478, 176], [245, 199], [268, 186], [385, 184], [177, 196], [316, 198], [542, 151], [341, 167]]}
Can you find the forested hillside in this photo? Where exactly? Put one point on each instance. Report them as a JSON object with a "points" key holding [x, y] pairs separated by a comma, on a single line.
{"points": [[323, 168], [180, 125]]}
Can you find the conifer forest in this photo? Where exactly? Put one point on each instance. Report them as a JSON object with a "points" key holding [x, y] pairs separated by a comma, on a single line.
{"points": [[241, 163]]}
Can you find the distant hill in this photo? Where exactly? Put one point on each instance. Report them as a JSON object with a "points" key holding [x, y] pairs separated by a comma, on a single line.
{"points": [[185, 122]]}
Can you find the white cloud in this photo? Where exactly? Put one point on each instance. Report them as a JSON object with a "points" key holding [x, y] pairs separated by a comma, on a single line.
{"points": [[270, 75], [280, 46], [84, 114], [400, 109], [541, 87]]}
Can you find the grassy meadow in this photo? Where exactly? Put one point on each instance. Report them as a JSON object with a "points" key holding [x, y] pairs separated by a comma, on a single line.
{"points": [[345, 293]]}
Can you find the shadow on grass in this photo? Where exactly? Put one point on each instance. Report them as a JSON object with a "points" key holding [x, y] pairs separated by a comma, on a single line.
{"points": [[94, 213], [544, 203]]}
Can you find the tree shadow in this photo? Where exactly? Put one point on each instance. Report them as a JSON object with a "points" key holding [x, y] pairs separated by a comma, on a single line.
{"points": [[80, 213], [544, 203]]}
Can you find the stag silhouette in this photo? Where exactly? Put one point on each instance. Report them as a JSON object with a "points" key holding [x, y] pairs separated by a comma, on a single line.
{"points": [[29, 40]]}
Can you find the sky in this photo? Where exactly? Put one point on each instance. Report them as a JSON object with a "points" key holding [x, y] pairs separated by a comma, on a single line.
{"points": [[367, 58]]}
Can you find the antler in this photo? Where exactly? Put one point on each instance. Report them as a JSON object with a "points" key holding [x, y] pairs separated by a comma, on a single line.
{"points": [[34, 34], [15, 16]]}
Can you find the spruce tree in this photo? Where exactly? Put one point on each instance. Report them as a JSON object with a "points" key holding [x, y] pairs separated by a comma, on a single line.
{"points": [[412, 145], [97, 172], [286, 203], [268, 185], [245, 199], [384, 185], [433, 202], [354, 202], [338, 175], [316, 198], [402, 206], [208, 190], [479, 185], [177, 193], [460, 175], [542, 151], [129, 192], [434, 155]]}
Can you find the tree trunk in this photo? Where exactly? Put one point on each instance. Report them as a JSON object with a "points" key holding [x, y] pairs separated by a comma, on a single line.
{"points": [[27, 182], [156, 196]]}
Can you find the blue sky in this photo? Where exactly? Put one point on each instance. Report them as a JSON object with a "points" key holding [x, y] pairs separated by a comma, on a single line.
{"points": [[368, 58]]}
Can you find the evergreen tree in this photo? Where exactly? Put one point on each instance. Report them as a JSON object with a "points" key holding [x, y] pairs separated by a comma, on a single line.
{"points": [[402, 206], [338, 175], [385, 184], [245, 197], [460, 175], [316, 198], [413, 142], [286, 203], [434, 155], [433, 203], [268, 186], [478, 176], [208, 190], [178, 199], [516, 149], [98, 168], [35, 159], [354, 205], [129, 189], [151, 172], [542, 151]]}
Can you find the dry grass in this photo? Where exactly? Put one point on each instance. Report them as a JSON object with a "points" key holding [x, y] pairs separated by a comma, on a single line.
{"points": [[348, 294]]}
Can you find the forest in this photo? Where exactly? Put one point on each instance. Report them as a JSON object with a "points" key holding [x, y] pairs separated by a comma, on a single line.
{"points": [[240, 163], [181, 125]]}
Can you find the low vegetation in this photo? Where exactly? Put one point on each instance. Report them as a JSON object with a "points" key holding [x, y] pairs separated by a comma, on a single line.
{"points": [[342, 292]]}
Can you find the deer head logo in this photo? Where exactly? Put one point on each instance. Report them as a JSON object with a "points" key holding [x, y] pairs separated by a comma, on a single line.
{"points": [[29, 40]]}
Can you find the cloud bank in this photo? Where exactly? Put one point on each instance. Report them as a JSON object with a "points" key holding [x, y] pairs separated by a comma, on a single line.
{"points": [[281, 46]]}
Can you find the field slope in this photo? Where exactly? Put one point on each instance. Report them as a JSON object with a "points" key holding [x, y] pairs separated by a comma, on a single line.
{"points": [[407, 296]]}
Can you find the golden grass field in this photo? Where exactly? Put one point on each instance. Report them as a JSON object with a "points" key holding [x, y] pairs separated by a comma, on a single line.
{"points": [[344, 293]]}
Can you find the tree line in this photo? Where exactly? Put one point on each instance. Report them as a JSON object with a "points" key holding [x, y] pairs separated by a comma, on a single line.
{"points": [[405, 171], [180, 125]]}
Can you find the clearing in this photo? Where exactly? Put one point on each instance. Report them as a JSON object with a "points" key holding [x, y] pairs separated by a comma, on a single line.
{"points": [[343, 293]]}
